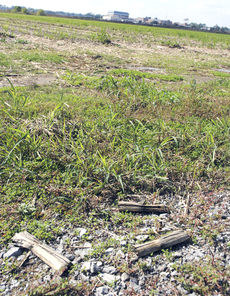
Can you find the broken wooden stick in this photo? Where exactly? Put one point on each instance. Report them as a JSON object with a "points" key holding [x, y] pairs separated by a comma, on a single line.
{"points": [[163, 242], [132, 206], [54, 259]]}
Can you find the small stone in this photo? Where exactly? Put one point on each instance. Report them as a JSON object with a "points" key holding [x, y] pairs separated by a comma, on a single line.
{"points": [[163, 216], [199, 254], [86, 266], [6, 292], [102, 290], [134, 258], [99, 263], [109, 278], [76, 274], [109, 269], [84, 278], [82, 232], [149, 262], [109, 251], [123, 243], [123, 285], [190, 257], [142, 281], [13, 252], [71, 257], [184, 292], [94, 268], [2, 288], [77, 260], [60, 247], [84, 252], [120, 254], [134, 286], [142, 238], [47, 278], [177, 255], [20, 257], [166, 229], [125, 277]]}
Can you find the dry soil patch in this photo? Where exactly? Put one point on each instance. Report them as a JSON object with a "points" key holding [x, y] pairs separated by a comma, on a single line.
{"points": [[27, 80]]}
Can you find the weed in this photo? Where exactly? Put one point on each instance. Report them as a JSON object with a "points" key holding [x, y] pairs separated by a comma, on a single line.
{"points": [[101, 36], [204, 277]]}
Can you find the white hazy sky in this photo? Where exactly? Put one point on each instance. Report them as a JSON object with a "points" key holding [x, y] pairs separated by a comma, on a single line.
{"points": [[210, 12]]}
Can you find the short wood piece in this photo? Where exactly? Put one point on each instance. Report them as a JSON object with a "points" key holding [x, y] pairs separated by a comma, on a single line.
{"points": [[44, 252], [135, 207], [163, 242]]}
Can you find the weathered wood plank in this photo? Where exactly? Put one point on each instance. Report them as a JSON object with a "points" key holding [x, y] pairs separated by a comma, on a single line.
{"points": [[44, 252], [163, 242]]}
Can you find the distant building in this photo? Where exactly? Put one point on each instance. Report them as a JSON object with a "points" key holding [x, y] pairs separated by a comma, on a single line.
{"points": [[165, 22], [116, 16], [153, 20], [144, 20]]}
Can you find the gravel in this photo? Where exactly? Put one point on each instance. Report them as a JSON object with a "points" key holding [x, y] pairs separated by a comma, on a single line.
{"points": [[117, 270]]}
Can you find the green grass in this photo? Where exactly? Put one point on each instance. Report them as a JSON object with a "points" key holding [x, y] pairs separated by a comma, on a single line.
{"points": [[220, 74], [146, 75], [168, 37]]}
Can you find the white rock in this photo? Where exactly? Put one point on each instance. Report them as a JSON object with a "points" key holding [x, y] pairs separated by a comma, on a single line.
{"points": [[142, 237], [125, 277], [123, 243], [13, 252], [82, 232], [109, 278], [86, 266], [102, 290], [120, 254], [109, 250], [110, 269]]}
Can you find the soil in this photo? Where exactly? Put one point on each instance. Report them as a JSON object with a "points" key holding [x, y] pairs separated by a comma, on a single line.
{"points": [[26, 80], [90, 63]]}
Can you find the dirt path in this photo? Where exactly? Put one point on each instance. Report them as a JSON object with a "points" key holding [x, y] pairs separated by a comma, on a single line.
{"points": [[18, 80]]}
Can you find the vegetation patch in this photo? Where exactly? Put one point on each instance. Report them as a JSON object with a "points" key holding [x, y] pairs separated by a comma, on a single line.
{"points": [[221, 74], [146, 75]]}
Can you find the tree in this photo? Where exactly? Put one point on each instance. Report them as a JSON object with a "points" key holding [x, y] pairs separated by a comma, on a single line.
{"points": [[25, 10], [41, 12], [17, 9]]}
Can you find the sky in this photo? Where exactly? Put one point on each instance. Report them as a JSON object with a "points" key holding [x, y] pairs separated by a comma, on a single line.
{"points": [[210, 12]]}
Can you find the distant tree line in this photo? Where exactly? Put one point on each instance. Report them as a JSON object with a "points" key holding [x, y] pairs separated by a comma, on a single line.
{"points": [[215, 28], [24, 10]]}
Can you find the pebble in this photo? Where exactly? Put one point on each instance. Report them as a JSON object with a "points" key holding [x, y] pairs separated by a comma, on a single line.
{"points": [[109, 278], [142, 238], [82, 232], [13, 252], [108, 251], [125, 277], [104, 290], [109, 269]]}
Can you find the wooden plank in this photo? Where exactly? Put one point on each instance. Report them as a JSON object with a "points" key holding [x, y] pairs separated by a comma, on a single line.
{"points": [[166, 241], [54, 259], [135, 207]]}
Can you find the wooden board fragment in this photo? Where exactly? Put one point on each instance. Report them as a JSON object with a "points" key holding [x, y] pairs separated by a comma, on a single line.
{"points": [[163, 242], [44, 252], [135, 207]]}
